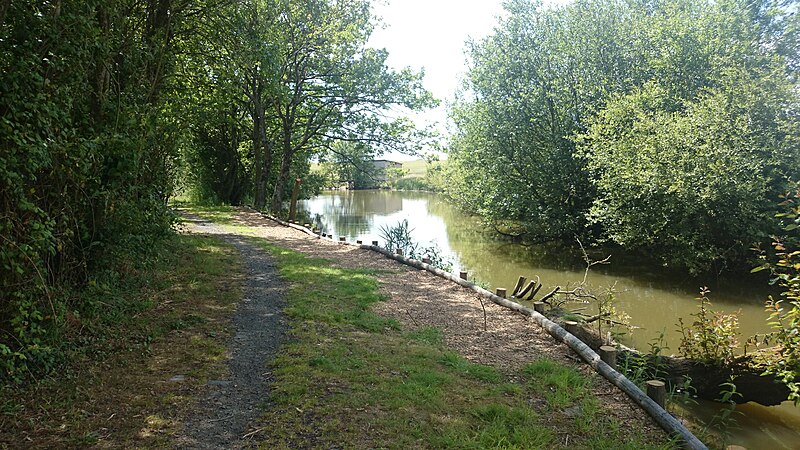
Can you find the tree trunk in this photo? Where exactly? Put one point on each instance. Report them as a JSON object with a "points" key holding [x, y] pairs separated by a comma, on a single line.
{"points": [[280, 184], [258, 147]]}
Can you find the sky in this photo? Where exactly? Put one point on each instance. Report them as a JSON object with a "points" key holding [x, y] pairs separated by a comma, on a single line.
{"points": [[431, 35]]}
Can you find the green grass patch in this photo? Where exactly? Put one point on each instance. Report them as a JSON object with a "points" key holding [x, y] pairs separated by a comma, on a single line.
{"points": [[132, 329], [349, 378]]}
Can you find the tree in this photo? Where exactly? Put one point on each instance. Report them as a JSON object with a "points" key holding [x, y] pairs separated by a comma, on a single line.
{"points": [[333, 88], [530, 87], [665, 127], [89, 136], [687, 167]]}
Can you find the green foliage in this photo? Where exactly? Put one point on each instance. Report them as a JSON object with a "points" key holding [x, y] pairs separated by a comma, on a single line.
{"points": [[90, 143], [348, 163], [665, 127], [399, 237], [784, 313], [712, 337]]}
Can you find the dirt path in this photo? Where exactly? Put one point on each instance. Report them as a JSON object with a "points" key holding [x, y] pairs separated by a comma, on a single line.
{"points": [[418, 299], [223, 417]]}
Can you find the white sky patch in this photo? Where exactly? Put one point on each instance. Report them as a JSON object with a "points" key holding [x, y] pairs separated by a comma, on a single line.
{"points": [[431, 35]]}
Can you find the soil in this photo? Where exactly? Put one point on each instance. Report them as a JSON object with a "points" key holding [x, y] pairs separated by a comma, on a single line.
{"points": [[228, 408], [481, 331]]}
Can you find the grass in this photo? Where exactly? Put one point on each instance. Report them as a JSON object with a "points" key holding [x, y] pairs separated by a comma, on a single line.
{"points": [[131, 331], [349, 378]]}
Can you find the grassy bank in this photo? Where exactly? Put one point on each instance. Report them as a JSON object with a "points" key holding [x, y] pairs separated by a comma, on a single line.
{"points": [[352, 379], [134, 361]]}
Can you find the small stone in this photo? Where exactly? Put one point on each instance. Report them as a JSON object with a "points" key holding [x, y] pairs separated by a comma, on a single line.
{"points": [[178, 378], [573, 411]]}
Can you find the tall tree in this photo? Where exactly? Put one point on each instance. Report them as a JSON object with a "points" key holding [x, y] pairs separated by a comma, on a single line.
{"points": [[334, 88]]}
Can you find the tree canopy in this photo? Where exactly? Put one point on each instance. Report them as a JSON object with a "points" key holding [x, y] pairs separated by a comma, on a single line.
{"points": [[111, 106], [667, 127]]}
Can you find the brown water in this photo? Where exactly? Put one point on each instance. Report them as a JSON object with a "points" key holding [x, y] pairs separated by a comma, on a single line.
{"points": [[653, 299]]}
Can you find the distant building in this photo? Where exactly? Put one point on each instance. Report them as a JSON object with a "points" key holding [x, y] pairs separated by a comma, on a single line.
{"points": [[381, 165]]}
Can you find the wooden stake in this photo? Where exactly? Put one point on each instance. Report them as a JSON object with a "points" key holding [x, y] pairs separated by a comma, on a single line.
{"points": [[500, 292], [359, 242], [609, 355], [538, 307], [426, 260], [342, 238], [657, 391], [463, 275], [374, 243], [399, 252]]}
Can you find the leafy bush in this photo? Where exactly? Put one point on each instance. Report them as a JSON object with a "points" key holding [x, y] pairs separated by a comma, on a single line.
{"points": [[712, 337], [784, 313]]}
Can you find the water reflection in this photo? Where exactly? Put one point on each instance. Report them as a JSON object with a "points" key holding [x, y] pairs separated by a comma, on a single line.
{"points": [[654, 300]]}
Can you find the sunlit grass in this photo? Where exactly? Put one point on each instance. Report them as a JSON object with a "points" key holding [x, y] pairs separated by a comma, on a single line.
{"points": [[349, 378]]}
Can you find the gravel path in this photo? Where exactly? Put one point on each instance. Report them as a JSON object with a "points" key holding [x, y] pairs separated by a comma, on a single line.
{"points": [[223, 416]]}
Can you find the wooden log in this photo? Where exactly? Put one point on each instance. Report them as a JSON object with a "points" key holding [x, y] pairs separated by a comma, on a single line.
{"points": [[750, 382], [359, 242], [308, 225], [375, 243], [527, 289], [399, 251], [518, 286], [535, 291], [342, 238], [538, 307], [426, 260], [609, 355], [552, 293], [662, 417], [500, 292], [463, 275], [657, 391]]}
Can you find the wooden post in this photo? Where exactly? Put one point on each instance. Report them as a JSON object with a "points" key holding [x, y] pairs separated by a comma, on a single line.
{"points": [[426, 260], [399, 251], [308, 225], [295, 193], [374, 243], [342, 238], [359, 242], [500, 292], [609, 355], [571, 326], [538, 307], [463, 275], [657, 391]]}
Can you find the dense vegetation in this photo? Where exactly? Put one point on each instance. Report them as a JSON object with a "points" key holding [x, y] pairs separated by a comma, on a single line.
{"points": [[666, 127], [110, 106]]}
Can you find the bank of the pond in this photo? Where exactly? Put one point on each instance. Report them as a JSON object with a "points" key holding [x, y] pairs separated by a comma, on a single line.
{"points": [[654, 302], [409, 361]]}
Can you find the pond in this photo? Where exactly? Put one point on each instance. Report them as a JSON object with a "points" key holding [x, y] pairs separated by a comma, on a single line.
{"points": [[653, 300]]}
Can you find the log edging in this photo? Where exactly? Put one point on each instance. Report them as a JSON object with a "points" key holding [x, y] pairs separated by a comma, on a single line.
{"points": [[663, 418]]}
